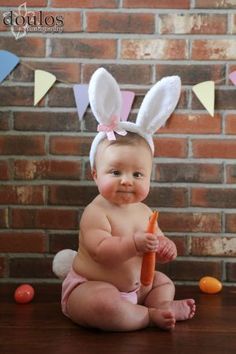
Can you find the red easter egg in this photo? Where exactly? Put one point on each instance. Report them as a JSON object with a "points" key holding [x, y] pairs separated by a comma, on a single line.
{"points": [[24, 294]]}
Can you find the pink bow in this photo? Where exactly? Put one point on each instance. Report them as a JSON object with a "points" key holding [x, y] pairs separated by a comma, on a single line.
{"points": [[111, 128]]}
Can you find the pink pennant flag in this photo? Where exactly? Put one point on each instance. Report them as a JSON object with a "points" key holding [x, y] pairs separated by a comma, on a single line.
{"points": [[127, 98], [232, 77], [81, 98]]}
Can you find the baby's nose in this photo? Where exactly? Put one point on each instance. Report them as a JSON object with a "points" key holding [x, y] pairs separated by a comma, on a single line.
{"points": [[126, 180]]}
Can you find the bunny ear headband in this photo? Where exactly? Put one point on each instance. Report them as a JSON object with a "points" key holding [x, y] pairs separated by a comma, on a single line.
{"points": [[106, 103]]}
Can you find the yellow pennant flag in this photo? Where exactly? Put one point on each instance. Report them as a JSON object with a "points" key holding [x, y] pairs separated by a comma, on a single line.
{"points": [[43, 81], [205, 92]]}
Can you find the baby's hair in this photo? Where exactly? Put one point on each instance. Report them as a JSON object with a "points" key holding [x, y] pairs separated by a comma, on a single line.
{"points": [[130, 139]]}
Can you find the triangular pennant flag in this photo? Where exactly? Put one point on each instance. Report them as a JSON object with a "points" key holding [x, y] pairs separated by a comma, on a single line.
{"points": [[8, 61], [127, 98], [43, 81], [81, 98], [232, 77], [205, 92]]}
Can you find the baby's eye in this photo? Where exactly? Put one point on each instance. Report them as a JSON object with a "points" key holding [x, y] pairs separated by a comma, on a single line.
{"points": [[115, 173], [137, 174]]}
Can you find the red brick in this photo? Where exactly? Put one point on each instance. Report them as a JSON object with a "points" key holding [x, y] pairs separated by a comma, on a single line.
{"points": [[213, 49], [47, 169], [84, 48], [111, 22], [190, 222], [46, 121], [31, 267], [191, 74], [62, 219], [25, 195], [2, 267], [230, 124], [170, 147], [54, 100], [214, 148], [16, 96], [213, 246], [4, 170], [123, 73], [33, 3], [72, 195], [3, 217], [70, 145], [22, 145], [162, 49], [68, 72], [33, 46], [4, 120], [159, 4], [213, 197], [233, 30], [85, 3], [16, 242], [190, 270], [58, 242], [231, 271], [192, 124], [231, 174], [196, 23], [230, 225], [224, 100], [167, 197], [188, 172], [211, 4], [72, 21]]}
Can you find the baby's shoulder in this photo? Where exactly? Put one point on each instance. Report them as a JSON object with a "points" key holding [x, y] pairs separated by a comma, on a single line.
{"points": [[144, 208]]}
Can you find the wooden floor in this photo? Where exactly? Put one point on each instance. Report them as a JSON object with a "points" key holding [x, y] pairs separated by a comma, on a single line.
{"points": [[40, 327]]}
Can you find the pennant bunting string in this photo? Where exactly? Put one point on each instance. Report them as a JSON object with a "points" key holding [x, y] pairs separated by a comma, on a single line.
{"points": [[204, 91]]}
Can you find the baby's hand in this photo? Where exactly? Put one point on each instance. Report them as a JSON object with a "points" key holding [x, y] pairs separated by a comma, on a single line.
{"points": [[146, 242], [166, 251]]}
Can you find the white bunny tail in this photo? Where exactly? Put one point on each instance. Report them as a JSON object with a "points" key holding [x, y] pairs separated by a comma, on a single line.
{"points": [[104, 96], [62, 262], [158, 104]]}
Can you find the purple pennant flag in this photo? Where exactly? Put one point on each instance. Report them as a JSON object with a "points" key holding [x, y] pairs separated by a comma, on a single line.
{"points": [[127, 101], [232, 77], [82, 101], [81, 98]]}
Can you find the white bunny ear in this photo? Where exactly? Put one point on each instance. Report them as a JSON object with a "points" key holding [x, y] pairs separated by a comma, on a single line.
{"points": [[158, 104], [104, 96]]}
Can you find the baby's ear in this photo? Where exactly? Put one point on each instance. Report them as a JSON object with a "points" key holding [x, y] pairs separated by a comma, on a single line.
{"points": [[94, 173], [158, 104], [104, 96]]}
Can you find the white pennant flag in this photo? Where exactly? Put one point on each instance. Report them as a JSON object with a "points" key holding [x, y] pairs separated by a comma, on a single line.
{"points": [[205, 92], [43, 81]]}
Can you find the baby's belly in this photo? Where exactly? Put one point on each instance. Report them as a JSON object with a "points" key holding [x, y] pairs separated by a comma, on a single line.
{"points": [[125, 277]]}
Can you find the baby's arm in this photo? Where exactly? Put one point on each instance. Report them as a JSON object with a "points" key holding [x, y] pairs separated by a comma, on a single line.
{"points": [[105, 248]]}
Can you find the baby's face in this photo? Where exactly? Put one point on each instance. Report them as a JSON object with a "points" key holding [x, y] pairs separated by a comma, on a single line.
{"points": [[123, 172]]}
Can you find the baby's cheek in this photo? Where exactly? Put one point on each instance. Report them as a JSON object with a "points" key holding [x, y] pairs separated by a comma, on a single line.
{"points": [[143, 192]]}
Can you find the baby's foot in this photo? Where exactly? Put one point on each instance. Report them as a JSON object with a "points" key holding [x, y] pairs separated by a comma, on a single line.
{"points": [[183, 309], [164, 319]]}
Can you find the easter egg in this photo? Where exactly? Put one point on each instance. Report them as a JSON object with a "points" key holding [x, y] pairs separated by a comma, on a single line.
{"points": [[210, 285], [24, 294]]}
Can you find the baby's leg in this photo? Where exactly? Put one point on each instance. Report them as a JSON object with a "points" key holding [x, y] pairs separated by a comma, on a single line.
{"points": [[161, 297], [99, 305]]}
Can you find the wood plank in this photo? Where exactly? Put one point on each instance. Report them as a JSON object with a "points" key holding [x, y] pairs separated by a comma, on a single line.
{"points": [[40, 326]]}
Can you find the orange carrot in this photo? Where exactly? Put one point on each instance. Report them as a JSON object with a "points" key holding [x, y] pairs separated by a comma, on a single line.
{"points": [[149, 258]]}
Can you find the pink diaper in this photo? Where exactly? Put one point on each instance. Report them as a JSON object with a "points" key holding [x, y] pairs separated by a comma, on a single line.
{"points": [[73, 279]]}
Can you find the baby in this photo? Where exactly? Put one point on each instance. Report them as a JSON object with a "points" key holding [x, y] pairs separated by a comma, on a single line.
{"points": [[103, 288]]}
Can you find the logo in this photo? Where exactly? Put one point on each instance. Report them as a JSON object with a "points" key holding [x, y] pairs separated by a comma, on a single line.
{"points": [[23, 21]]}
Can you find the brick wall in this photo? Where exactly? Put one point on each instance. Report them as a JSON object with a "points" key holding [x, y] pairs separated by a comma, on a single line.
{"points": [[44, 170]]}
